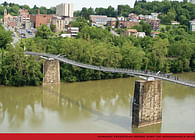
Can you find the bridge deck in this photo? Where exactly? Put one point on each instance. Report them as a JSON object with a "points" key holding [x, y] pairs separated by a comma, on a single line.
{"points": [[116, 70]]}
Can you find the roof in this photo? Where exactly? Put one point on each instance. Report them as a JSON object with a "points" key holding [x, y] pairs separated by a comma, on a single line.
{"points": [[192, 21], [155, 32], [96, 16], [141, 15], [132, 14], [132, 30], [175, 22], [141, 32], [73, 28]]}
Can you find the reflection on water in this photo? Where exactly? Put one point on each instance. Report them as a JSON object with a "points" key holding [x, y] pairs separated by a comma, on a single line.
{"points": [[148, 129], [51, 96], [94, 106]]}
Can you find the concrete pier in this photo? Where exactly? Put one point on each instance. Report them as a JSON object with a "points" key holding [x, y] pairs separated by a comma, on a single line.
{"points": [[147, 103], [51, 72]]}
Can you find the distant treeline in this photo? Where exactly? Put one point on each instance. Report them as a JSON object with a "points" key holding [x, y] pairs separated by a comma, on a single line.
{"points": [[170, 11], [13, 9]]}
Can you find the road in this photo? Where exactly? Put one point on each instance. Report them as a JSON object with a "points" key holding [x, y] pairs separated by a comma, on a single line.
{"points": [[17, 36], [114, 33]]}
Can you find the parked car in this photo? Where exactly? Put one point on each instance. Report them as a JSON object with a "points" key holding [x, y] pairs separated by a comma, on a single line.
{"points": [[13, 35], [29, 32], [23, 35]]}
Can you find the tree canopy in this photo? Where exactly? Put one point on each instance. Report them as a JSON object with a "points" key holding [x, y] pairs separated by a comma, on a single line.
{"points": [[44, 32], [5, 37]]}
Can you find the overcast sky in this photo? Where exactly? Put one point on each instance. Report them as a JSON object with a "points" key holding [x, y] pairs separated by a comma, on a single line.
{"points": [[78, 4]]}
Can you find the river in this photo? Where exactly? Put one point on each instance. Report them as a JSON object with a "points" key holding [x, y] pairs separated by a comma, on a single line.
{"points": [[95, 106]]}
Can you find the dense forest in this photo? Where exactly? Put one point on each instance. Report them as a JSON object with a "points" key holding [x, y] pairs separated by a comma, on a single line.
{"points": [[172, 51]]}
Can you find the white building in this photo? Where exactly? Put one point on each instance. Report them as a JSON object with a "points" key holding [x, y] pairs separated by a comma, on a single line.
{"points": [[73, 30], [61, 22], [66, 35], [141, 34], [192, 1], [192, 25], [175, 23], [121, 18], [27, 24], [154, 16], [99, 19], [64, 9]]}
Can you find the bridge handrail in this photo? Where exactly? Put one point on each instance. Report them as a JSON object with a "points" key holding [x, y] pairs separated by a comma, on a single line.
{"points": [[162, 76]]}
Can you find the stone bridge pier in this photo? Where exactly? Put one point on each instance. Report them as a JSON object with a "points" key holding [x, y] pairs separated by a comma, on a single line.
{"points": [[147, 103], [51, 72]]}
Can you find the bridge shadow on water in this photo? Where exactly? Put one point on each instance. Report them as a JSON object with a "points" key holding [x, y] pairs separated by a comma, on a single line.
{"points": [[108, 118], [117, 120]]}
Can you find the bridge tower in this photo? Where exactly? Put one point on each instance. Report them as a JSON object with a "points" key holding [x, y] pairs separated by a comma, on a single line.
{"points": [[147, 103], [51, 72]]}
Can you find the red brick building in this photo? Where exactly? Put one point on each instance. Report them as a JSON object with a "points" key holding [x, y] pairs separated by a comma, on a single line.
{"points": [[23, 16], [155, 25], [40, 19], [154, 33], [131, 32], [9, 20], [127, 24], [111, 23], [133, 16]]}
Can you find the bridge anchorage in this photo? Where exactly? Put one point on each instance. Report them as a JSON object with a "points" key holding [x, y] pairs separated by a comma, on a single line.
{"points": [[147, 102]]}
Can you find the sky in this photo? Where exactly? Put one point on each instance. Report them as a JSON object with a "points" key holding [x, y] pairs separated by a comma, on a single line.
{"points": [[78, 4]]}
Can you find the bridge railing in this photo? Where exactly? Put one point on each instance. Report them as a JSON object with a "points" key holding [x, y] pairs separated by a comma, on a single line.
{"points": [[162, 76], [151, 73]]}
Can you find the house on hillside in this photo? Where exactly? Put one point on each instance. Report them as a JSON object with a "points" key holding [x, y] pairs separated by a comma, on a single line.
{"points": [[131, 32], [133, 17], [154, 34], [192, 25], [127, 24], [175, 23], [141, 34]]}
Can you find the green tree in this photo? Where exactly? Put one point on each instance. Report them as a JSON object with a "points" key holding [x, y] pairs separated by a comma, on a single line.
{"points": [[110, 12], [132, 57], [5, 38], [84, 13], [44, 32], [171, 14], [157, 55], [80, 22], [19, 70], [53, 28], [100, 11], [43, 10], [123, 10], [146, 28]]}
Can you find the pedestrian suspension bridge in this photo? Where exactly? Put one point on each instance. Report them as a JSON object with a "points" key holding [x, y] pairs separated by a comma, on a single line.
{"points": [[137, 73]]}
